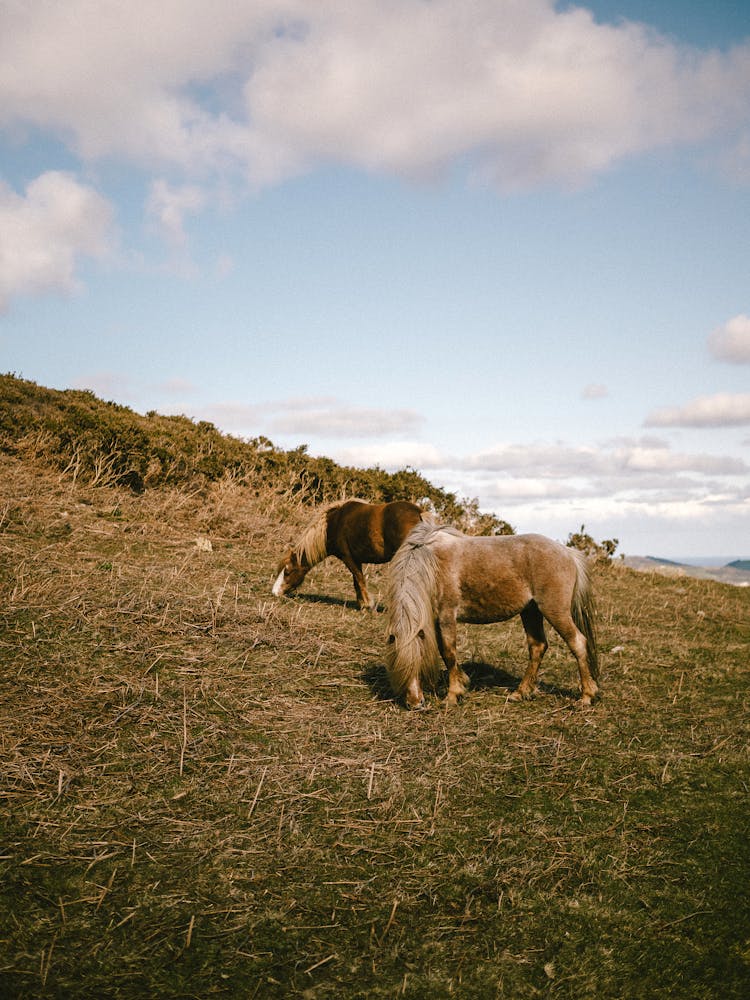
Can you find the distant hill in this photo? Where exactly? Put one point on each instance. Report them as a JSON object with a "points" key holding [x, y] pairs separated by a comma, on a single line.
{"points": [[736, 573]]}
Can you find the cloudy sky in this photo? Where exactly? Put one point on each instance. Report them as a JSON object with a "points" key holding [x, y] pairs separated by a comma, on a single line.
{"points": [[504, 242]]}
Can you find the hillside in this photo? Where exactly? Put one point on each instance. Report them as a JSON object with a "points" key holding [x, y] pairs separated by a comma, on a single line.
{"points": [[107, 444], [207, 792]]}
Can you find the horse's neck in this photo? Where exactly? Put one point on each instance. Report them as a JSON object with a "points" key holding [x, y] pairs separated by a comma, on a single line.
{"points": [[313, 546]]}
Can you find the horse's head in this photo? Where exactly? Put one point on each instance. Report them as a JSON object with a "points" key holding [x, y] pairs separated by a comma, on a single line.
{"points": [[290, 573]]}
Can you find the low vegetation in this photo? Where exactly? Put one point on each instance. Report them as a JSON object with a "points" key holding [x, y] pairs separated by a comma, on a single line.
{"points": [[105, 444], [599, 551], [209, 792]]}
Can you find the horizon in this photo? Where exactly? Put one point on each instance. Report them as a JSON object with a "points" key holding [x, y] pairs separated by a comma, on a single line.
{"points": [[504, 245], [707, 562]]}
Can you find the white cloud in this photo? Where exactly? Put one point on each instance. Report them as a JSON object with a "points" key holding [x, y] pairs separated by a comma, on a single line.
{"points": [[721, 410], [304, 419], [264, 88], [731, 342], [518, 490], [647, 503], [393, 455], [115, 78], [232, 417], [106, 385], [168, 205], [44, 232], [177, 386], [647, 460], [541, 460], [595, 390], [533, 94], [516, 474], [224, 266], [333, 419]]}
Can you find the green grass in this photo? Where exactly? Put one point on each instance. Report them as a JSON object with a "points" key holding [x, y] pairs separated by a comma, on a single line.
{"points": [[209, 792]]}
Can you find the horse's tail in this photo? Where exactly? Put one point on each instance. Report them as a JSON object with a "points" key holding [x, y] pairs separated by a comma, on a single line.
{"points": [[412, 652], [583, 610]]}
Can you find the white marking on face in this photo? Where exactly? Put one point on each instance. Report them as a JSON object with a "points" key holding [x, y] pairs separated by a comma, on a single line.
{"points": [[276, 590]]}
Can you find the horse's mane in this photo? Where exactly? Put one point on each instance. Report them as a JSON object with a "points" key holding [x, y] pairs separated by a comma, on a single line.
{"points": [[311, 546], [412, 581], [427, 532]]}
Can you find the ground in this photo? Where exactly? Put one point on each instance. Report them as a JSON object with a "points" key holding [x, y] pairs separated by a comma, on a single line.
{"points": [[207, 791]]}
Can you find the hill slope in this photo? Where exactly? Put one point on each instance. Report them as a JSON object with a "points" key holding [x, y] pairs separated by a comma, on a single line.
{"points": [[107, 444], [208, 792]]}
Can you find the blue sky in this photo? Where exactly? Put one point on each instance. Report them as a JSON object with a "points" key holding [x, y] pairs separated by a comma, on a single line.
{"points": [[504, 243]]}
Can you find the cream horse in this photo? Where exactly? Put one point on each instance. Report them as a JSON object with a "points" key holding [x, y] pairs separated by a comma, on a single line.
{"points": [[439, 577]]}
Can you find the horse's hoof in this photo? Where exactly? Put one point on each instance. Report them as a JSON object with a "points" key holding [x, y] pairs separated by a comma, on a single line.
{"points": [[451, 701], [519, 695], [420, 706]]}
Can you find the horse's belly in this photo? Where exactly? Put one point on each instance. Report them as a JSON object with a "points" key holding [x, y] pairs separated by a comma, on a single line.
{"points": [[492, 603], [485, 616]]}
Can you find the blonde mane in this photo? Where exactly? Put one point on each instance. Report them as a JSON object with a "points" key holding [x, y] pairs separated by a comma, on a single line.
{"points": [[412, 580], [311, 547]]}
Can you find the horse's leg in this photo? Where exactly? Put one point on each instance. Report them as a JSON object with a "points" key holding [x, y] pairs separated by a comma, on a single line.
{"points": [[414, 695], [579, 648], [457, 679], [364, 601], [533, 624], [358, 578], [576, 643]]}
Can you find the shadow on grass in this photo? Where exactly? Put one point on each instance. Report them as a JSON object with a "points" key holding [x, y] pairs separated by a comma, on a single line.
{"points": [[337, 602], [482, 676], [375, 677]]}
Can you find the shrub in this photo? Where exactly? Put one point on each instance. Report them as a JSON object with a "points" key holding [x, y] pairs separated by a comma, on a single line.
{"points": [[601, 551]]}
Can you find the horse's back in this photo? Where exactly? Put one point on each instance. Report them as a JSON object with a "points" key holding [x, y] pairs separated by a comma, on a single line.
{"points": [[536, 559], [494, 577], [371, 532], [399, 518]]}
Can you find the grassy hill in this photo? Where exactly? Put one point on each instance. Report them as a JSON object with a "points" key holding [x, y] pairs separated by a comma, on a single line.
{"points": [[106, 444], [209, 792]]}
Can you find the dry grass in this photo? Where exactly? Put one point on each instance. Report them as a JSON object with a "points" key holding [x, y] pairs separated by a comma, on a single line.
{"points": [[207, 792]]}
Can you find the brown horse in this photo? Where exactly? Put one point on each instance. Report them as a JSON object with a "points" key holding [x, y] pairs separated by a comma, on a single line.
{"points": [[439, 577], [353, 531]]}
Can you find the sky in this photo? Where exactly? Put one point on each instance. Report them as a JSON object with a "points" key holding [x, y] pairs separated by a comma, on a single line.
{"points": [[503, 242]]}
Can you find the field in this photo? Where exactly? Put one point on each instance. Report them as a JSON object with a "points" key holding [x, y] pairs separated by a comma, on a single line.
{"points": [[206, 791]]}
